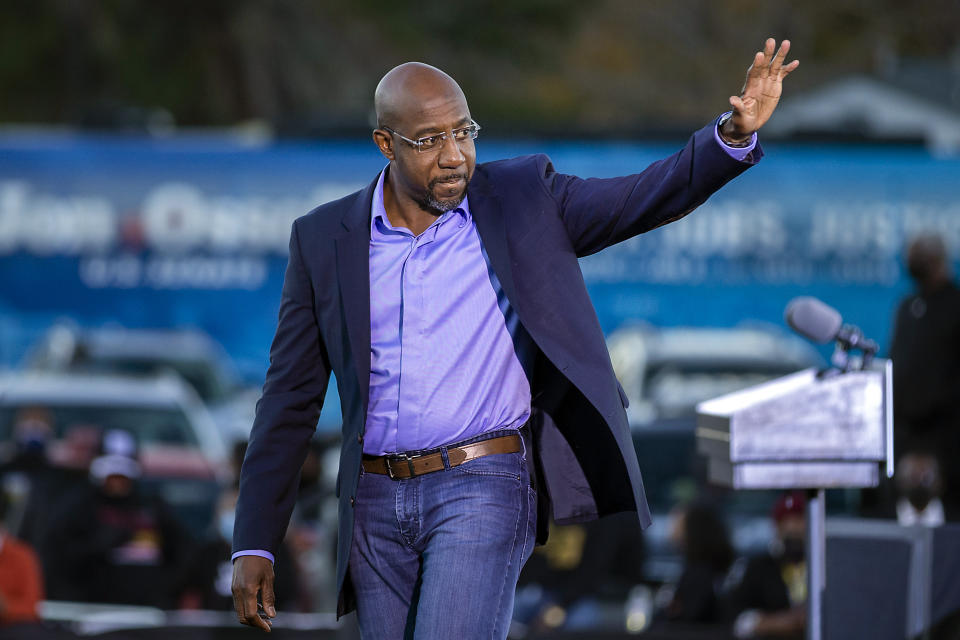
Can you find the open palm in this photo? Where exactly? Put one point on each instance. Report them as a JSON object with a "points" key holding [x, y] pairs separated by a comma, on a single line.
{"points": [[761, 90]]}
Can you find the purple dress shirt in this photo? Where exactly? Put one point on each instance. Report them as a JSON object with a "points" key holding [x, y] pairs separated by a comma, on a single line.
{"points": [[448, 355], [443, 365]]}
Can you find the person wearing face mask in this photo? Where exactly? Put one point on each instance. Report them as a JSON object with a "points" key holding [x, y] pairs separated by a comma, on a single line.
{"points": [[110, 542], [28, 476], [211, 571], [769, 600], [925, 349], [919, 487]]}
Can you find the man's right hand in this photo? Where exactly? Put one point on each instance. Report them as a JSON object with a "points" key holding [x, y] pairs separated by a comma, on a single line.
{"points": [[253, 576]]}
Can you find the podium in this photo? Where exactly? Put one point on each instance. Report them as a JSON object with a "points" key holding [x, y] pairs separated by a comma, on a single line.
{"points": [[809, 430]]}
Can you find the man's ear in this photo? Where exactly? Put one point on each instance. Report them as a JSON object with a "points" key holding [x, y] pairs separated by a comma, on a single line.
{"points": [[384, 142]]}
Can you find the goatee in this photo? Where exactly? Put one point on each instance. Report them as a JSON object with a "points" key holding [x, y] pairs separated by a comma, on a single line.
{"points": [[428, 202]]}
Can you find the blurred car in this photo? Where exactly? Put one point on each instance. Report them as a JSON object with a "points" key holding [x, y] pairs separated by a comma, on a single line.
{"points": [[190, 354], [665, 372], [182, 454]]}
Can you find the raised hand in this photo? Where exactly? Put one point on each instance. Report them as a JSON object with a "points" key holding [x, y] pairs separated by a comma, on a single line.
{"points": [[760, 93]]}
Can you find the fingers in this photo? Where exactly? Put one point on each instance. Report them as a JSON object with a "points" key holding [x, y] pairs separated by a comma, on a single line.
{"points": [[245, 604], [266, 594], [753, 72], [790, 67], [766, 65], [777, 62], [768, 48], [746, 107], [250, 578]]}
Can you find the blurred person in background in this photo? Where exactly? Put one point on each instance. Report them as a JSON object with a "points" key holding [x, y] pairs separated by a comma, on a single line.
{"points": [[581, 578], [925, 349], [769, 591], [110, 543], [237, 452], [701, 534], [311, 535], [29, 478], [21, 582], [211, 571], [919, 490], [438, 497]]}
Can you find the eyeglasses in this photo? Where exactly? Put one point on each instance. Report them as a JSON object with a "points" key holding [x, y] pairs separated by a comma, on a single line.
{"points": [[436, 141]]}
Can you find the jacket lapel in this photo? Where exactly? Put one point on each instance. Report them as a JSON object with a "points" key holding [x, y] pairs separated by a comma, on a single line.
{"points": [[353, 277], [487, 212]]}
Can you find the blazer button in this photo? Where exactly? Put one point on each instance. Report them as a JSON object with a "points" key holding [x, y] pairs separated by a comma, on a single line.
{"points": [[351, 501], [360, 438]]}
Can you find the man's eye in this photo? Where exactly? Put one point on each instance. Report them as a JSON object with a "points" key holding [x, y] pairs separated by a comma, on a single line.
{"points": [[430, 141], [462, 134]]}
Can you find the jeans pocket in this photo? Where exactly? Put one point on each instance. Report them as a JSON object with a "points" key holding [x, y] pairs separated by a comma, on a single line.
{"points": [[530, 538], [503, 465]]}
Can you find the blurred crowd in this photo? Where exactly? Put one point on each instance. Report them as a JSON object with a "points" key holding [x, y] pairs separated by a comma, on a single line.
{"points": [[100, 534], [89, 515]]}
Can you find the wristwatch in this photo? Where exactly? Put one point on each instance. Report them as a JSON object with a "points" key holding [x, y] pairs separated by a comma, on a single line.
{"points": [[735, 145]]}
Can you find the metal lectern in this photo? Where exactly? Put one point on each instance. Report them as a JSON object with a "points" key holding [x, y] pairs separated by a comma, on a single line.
{"points": [[810, 430]]}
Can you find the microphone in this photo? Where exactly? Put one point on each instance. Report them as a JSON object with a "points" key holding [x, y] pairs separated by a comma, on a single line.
{"points": [[813, 319], [821, 323]]}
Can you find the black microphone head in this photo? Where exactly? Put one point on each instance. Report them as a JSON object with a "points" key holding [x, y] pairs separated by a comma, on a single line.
{"points": [[813, 319]]}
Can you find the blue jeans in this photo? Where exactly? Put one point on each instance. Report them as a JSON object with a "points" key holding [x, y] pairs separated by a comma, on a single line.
{"points": [[438, 555]]}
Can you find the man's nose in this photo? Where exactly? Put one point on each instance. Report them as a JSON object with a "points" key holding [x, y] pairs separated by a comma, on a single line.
{"points": [[451, 155]]}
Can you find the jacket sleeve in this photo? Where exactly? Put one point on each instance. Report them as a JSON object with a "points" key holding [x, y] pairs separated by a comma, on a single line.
{"points": [[286, 415], [599, 212]]}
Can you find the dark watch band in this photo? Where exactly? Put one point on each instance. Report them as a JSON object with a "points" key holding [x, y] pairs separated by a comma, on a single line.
{"points": [[735, 145]]}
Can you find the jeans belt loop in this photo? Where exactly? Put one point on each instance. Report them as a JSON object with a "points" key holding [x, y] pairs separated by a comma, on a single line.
{"points": [[445, 457]]}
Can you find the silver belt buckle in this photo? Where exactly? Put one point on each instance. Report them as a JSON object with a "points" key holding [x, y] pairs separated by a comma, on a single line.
{"points": [[399, 458]]}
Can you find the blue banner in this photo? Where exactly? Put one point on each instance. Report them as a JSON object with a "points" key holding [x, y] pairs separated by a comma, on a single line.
{"points": [[193, 232]]}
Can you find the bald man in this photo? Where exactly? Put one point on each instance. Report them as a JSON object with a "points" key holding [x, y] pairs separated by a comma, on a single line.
{"points": [[477, 393]]}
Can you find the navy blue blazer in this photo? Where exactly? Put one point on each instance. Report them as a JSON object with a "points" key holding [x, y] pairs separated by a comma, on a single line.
{"points": [[534, 224]]}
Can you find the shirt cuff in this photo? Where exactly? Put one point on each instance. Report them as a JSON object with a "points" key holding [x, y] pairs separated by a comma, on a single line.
{"points": [[737, 153], [253, 552]]}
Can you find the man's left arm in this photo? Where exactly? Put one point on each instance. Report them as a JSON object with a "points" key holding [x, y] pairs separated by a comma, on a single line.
{"points": [[600, 212]]}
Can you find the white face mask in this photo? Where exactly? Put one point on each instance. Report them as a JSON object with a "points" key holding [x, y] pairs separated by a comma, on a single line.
{"points": [[225, 525]]}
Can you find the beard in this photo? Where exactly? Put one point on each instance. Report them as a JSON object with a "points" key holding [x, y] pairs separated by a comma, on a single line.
{"points": [[430, 202]]}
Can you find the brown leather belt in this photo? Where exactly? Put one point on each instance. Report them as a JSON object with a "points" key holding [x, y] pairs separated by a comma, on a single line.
{"points": [[399, 467]]}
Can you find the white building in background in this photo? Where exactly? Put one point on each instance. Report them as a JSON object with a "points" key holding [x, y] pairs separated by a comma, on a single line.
{"points": [[867, 107]]}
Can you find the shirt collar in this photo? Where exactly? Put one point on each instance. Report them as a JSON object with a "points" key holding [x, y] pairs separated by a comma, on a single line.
{"points": [[378, 210]]}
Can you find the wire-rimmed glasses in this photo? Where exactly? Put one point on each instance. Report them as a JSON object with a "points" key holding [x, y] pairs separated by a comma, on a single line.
{"points": [[436, 141]]}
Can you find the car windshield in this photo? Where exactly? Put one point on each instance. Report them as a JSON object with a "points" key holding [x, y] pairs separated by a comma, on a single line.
{"points": [[150, 425], [200, 375], [676, 388]]}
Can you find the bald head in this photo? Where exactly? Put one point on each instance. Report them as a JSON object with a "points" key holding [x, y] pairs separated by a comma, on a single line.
{"points": [[415, 101], [410, 89], [928, 262]]}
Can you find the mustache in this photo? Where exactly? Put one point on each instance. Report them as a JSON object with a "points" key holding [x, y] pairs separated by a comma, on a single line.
{"points": [[450, 177]]}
